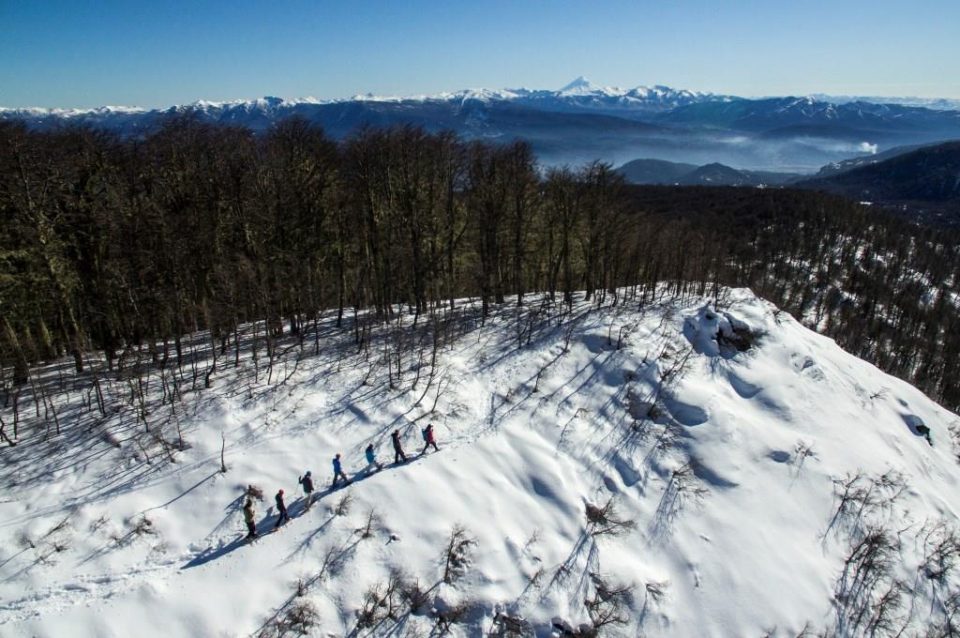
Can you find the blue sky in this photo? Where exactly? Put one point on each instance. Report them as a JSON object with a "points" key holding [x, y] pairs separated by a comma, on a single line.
{"points": [[151, 54]]}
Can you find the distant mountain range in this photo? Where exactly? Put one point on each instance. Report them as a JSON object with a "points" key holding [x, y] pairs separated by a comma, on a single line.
{"points": [[582, 122], [923, 183], [651, 171], [919, 182]]}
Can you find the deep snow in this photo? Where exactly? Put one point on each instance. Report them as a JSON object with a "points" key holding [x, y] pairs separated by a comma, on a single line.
{"points": [[725, 460]]}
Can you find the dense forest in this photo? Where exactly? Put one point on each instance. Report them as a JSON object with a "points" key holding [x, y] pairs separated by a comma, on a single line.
{"points": [[112, 244]]}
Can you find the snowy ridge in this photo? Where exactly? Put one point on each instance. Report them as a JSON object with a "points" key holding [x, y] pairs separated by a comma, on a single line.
{"points": [[577, 90], [723, 436], [935, 103]]}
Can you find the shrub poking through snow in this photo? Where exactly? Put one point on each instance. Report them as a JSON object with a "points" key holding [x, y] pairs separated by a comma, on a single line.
{"points": [[801, 452], [139, 528], [372, 522], [955, 439], [414, 596], [860, 499], [382, 601], [342, 508], [456, 557], [869, 600], [55, 540], [683, 488], [947, 623], [297, 619], [606, 520], [508, 626], [98, 524], [653, 594], [452, 615], [25, 542], [941, 551], [608, 606]]}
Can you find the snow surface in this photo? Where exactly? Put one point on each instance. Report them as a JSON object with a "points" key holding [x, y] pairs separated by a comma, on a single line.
{"points": [[742, 546]]}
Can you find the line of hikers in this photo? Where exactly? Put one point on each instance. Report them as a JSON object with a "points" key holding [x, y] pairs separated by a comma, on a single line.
{"points": [[306, 481]]}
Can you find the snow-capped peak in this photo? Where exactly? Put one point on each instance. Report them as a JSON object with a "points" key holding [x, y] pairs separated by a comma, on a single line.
{"points": [[584, 87], [579, 85]]}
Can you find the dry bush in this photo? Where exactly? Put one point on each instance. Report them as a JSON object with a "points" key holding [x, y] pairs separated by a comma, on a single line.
{"points": [[383, 601], [373, 521], [416, 598], [446, 619], [297, 619], [610, 604], [62, 526], [861, 500], [955, 439], [605, 520], [507, 626], [334, 560], [98, 524], [656, 591], [55, 540], [801, 452], [456, 556], [947, 624], [342, 508], [139, 528], [941, 551], [24, 541], [869, 599], [683, 488]]}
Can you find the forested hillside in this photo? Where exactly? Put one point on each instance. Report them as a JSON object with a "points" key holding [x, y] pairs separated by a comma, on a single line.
{"points": [[124, 246]]}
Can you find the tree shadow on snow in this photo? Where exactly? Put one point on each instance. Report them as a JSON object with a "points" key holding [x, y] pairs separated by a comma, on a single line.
{"points": [[213, 553], [308, 541], [585, 551]]}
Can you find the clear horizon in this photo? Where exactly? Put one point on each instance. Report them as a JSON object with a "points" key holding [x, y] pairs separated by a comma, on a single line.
{"points": [[151, 55]]}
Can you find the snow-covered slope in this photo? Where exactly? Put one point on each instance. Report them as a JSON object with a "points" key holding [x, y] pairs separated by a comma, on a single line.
{"points": [[724, 437]]}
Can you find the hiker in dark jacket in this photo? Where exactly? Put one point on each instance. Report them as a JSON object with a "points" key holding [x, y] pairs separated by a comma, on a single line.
{"points": [[430, 440], [307, 484], [282, 508], [338, 471], [250, 518], [398, 451]]}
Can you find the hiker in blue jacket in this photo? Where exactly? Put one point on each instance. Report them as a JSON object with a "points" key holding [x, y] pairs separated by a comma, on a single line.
{"points": [[338, 471], [372, 458]]}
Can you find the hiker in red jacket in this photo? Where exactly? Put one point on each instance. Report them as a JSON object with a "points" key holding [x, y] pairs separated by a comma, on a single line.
{"points": [[428, 438]]}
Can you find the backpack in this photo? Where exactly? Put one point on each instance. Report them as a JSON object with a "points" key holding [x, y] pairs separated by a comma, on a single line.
{"points": [[424, 433]]}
